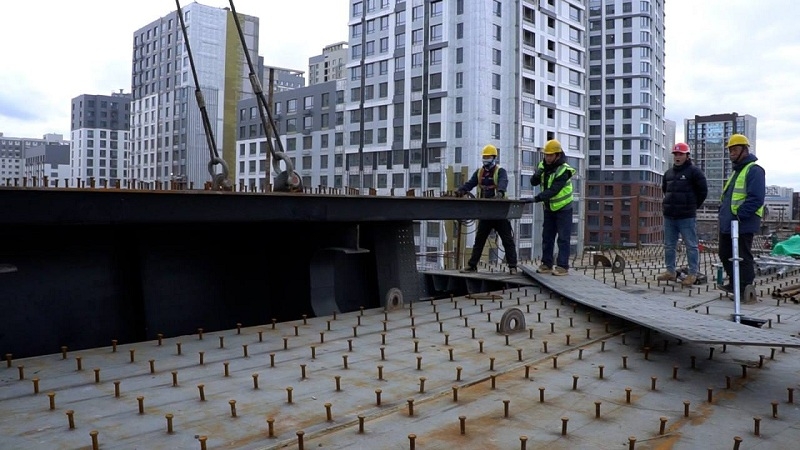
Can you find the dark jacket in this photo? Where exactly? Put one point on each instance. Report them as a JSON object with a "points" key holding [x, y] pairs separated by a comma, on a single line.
{"points": [[685, 189], [558, 183], [489, 190], [756, 186]]}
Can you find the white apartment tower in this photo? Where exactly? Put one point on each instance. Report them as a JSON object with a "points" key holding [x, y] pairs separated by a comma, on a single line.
{"points": [[627, 153], [430, 82], [329, 65], [168, 142], [99, 139]]}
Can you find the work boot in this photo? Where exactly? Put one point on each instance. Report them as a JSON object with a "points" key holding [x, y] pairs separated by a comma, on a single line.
{"points": [[512, 270], [469, 269], [667, 276], [544, 268], [689, 280], [726, 287], [560, 271]]}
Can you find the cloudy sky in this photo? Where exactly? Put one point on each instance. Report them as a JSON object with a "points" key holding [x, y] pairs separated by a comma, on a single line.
{"points": [[722, 56]]}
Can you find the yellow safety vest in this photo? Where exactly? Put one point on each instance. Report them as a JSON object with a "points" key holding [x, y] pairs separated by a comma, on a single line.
{"points": [[739, 193], [495, 176], [564, 196]]}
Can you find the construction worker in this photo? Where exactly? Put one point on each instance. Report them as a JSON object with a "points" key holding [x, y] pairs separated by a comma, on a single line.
{"points": [[743, 201], [554, 176], [491, 181], [685, 189]]}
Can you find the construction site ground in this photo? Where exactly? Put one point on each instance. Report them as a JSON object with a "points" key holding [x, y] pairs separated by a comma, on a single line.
{"points": [[436, 374]]}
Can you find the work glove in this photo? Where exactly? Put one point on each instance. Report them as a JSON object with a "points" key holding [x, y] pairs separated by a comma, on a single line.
{"points": [[537, 199], [500, 195]]}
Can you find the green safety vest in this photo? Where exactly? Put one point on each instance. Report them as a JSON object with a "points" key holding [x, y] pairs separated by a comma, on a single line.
{"points": [[739, 193], [496, 169], [564, 196]]}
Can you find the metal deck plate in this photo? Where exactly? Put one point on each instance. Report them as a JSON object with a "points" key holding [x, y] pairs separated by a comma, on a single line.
{"points": [[656, 315]]}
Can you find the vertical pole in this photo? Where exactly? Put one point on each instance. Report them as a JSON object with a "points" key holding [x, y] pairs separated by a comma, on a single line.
{"points": [[268, 131], [736, 292]]}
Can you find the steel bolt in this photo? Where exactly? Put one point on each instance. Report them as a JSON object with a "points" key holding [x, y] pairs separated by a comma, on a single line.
{"points": [[95, 443], [361, 423], [597, 409], [201, 389], [564, 421], [663, 425], [757, 426], [140, 401], [628, 395], [233, 407], [686, 404], [378, 397], [289, 394], [300, 434], [463, 424], [169, 423]]}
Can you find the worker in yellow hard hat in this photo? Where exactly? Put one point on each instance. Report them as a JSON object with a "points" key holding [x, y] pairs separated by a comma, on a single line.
{"points": [[554, 176], [492, 182], [742, 201]]}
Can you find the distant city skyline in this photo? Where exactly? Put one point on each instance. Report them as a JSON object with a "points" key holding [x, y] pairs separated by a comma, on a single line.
{"points": [[711, 66]]}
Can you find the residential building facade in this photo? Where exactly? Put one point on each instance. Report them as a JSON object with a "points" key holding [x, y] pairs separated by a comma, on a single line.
{"points": [[628, 152], [168, 139], [329, 65], [99, 139], [47, 164], [12, 156]]}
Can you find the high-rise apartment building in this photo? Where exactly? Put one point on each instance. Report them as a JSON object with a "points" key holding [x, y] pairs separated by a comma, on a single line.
{"points": [[168, 142], [12, 156], [329, 65], [99, 139], [707, 136], [627, 153]]}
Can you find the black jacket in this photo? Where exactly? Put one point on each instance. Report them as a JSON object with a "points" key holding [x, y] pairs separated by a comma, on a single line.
{"points": [[685, 189]]}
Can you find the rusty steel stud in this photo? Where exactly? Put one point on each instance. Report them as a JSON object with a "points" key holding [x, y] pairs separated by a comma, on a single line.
{"points": [[274, 321], [564, 421], [116, 388], [710, 353], [140, 402], [663, 425], [575, 382], [588, 333], [744, 370], [300, 434], [463, 424], [95, 440], [289, 394], [202, 440], [491, 363], [602, 346], [169, 422], [244, 350], [52, 397], [422, 385], [201, 388], [380, 369], [270, 427], [78, 363], [450, 353], [527, 371], [260, 336], [761, 361], [791, 395], [222, 342], [628, 394], [624, 361], [71, 418], [338, 380], [178, 346], [302, 371], [757, 426], [361, 423], [646, 353], [653, 383], [344, 361], [9, 359], [580, 353], [544, 346], [552, 327], [286, 343], [710, 395], [383, 338], [383, 353], [200, 333], [255, 381], [226, 365], [567, 336], [774, 410], [686, 404], [272, 359], [313, 352], [480, 346], [455, 393], [555, 362], [233, 407], [458, 373], [419, 362], [411, 441], [113, 345], [727, 382], [328, 414], [355, 331], [378, 397], [597, 409], [737, 441], [493, 380], [96, 375], [600, 370], [63, 352], [631, 442], [202, 354], [152, 363], [416, 345], [674, 372], [505, 407], [541, 395], [410, 402], [35, 385]]}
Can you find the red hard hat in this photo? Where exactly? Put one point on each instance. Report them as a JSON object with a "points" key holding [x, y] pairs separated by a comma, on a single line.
{"points": [[680, 147]]}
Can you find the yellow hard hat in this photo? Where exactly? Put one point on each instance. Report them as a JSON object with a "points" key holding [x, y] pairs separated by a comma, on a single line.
{"points": [[552, 146], [737, 139], [489, 150]]}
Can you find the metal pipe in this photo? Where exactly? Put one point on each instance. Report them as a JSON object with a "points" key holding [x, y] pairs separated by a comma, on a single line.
{"points": [[736, 294]]}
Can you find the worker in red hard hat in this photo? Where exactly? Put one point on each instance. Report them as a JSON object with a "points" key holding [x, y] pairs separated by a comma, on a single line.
{"points": [[685, 189]]}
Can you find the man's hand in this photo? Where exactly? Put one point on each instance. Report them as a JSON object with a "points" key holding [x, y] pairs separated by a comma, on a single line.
{"points": [[537, 199]]}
